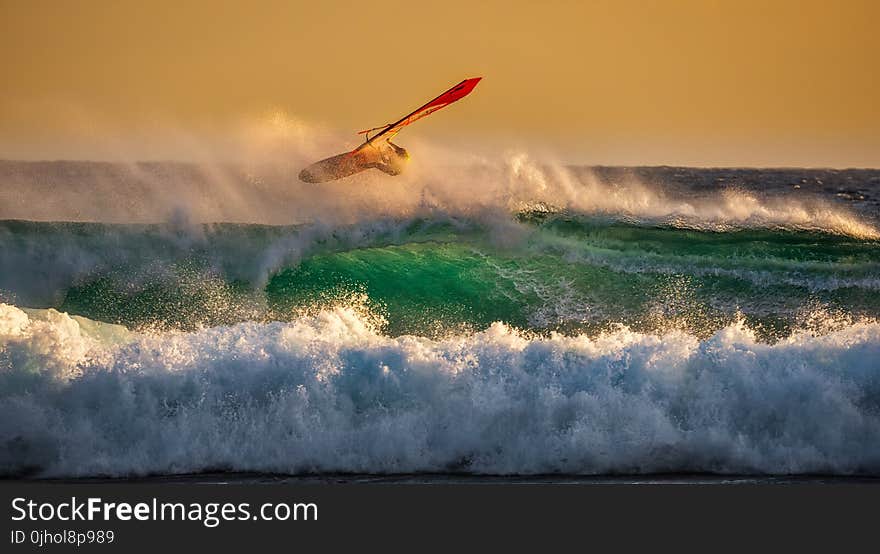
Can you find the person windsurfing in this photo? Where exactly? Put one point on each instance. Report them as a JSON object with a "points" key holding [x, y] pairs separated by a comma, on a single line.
{"points": [[379, 152]]}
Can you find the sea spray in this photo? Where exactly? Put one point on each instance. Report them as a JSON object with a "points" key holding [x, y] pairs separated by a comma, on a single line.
{"points": [[270, 193]]}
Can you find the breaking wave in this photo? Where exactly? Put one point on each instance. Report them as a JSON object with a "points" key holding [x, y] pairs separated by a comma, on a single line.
{"points": [[328, 392], [485, 188]]}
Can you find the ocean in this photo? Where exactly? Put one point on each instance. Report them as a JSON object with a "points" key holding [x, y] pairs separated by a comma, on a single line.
{"points": [[508, 318]]}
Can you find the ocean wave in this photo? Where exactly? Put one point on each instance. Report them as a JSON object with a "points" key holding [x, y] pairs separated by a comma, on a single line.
{"points": [[328, 392], [487, 188], [542, 271]]}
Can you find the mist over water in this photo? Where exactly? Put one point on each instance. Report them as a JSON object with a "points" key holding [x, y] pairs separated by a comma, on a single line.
{"points": [[486, 314]]}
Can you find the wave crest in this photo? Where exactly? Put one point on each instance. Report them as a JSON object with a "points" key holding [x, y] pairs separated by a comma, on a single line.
{"points": [[445, 183]]}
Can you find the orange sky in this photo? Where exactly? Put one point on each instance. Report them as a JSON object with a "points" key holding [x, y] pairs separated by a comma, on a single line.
{"points": [[622, 82]]}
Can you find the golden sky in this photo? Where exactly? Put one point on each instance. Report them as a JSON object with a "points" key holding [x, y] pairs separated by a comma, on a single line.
{"points": [[601, 82]]}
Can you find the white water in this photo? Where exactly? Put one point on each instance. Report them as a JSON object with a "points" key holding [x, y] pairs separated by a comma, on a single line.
{"points": [[326, 392]]}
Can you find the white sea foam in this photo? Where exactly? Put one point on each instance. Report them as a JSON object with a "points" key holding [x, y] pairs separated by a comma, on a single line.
{"points": [[327, 392]]}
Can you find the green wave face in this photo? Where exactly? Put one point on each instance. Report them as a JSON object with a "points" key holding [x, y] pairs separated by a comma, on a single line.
{"points": [[544, 273], [417, 286], [583, 280]]}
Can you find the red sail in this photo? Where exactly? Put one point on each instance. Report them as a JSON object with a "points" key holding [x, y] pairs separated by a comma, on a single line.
{"points": [[457, 92]]}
